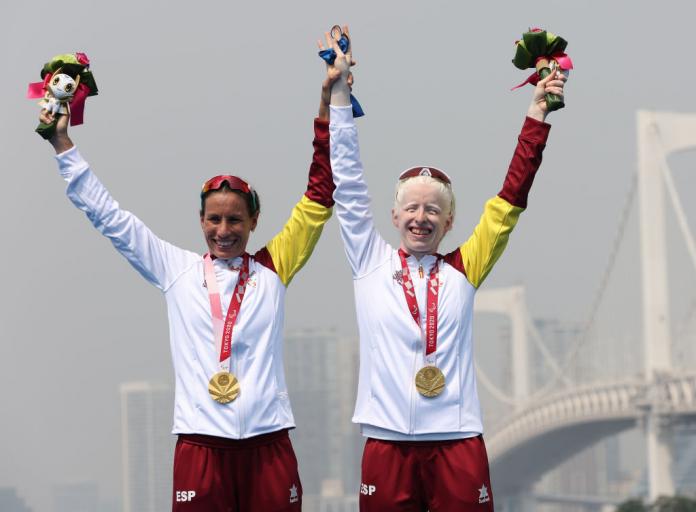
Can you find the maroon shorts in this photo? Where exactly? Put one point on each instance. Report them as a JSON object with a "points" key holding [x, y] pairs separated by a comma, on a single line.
{"points": [[439, 476], [214, 474]]}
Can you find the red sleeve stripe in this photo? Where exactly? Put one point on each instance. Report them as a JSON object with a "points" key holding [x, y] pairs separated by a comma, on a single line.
{"points": [[263, 257], [320, 186], [455, 259], [525, 162]]}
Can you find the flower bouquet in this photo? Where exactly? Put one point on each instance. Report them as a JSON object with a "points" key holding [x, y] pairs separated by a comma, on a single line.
{"points": [[543, 51], [67, 82]]}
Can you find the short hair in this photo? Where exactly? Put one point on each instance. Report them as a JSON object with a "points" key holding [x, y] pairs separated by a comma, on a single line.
{"points": [[444, 189]]}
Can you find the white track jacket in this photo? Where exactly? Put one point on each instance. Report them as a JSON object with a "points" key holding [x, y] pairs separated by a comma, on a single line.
{"points": [[391, 345]]}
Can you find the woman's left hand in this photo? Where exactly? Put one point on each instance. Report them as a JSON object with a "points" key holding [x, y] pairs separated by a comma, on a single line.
{"points": [[334, 71], [552, 84]]}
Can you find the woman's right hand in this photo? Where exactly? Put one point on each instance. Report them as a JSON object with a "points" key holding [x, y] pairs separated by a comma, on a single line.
{"points": [[338, 75], [60, 140], [343, 61]]}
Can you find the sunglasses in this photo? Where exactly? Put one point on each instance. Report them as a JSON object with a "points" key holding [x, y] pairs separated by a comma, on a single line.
{"points": [[425, 171], [233, 182]]}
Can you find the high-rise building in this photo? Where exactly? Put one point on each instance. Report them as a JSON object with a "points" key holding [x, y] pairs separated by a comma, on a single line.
{"points": [[147, 446], [684, 450], [11, 502], [321, 371]]}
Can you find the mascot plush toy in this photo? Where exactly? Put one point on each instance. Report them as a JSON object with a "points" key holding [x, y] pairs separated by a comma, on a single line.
{"points": [[67, 82], [59, 93]]}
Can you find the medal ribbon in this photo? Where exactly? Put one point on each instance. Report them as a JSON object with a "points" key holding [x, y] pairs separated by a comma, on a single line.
{"points": [[222, 330], [430, 333]]}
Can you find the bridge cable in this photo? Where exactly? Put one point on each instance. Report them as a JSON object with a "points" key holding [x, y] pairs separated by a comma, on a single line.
{"points": [[601, 289], [678, 210], [539, 341], [686, 320], [685, 231], [492, 388]]}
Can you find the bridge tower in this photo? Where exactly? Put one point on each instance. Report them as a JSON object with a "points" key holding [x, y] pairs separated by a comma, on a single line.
{"points": [[510, 301], [659, 134]]}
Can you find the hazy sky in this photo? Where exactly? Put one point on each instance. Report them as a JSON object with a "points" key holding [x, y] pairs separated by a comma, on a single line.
{"points": [[189, 90]]}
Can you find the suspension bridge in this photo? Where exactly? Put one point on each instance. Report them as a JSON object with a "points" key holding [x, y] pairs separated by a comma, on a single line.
{"points": [[545, 424]]}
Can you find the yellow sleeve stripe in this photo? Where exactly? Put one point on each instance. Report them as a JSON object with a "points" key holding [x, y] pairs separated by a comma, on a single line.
{"points": [[291, 248], [487, 243]]}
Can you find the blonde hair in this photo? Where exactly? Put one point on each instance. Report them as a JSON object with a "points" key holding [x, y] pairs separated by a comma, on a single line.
{"points": [[443, 189]]}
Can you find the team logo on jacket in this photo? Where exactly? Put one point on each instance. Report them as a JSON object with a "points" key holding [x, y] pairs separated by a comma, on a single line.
{"points": [[483, 494], [398, 276], [294, 498]]}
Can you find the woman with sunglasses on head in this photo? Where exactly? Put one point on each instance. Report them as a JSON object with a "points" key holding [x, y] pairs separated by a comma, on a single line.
{"points": [[226, 311], [417, 401]]}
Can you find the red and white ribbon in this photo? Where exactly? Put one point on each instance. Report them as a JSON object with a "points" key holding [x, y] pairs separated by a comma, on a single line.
{"points": [[430, 332], [222, 329]]}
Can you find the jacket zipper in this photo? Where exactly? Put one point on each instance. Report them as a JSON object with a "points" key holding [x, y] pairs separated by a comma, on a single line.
{"points": [[412, 386], [242, 427]]}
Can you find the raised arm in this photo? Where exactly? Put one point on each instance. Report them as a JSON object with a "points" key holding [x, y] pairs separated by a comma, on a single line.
{"points": [[156, 260], [364, 247], [290, 249], [477, 256]]}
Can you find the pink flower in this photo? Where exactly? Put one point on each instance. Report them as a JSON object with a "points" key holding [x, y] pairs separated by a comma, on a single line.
{"points": [[82, 58]]}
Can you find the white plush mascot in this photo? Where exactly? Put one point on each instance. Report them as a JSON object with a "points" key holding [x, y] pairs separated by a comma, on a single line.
{"points": [[60, 91]]}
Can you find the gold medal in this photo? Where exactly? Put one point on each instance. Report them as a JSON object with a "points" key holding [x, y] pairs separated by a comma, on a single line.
{"points": [[223, 387], [430, 381]]}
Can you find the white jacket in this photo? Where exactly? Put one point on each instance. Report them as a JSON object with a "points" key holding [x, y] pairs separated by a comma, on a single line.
{"points": [[257, 349], [391, 345]]}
